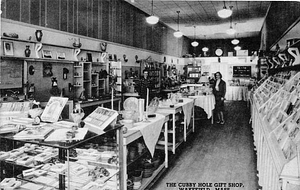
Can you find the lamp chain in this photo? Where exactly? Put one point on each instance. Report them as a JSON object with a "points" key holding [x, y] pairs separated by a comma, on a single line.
{"points": [[178, 20]]}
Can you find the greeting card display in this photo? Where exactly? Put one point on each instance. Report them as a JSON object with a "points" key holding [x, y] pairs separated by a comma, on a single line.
{"points": [[99, 119], [53, 109]]}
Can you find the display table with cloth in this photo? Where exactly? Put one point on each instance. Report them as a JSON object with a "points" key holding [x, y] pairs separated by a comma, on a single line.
{"points": [[150, 131], [237, 93], [207, 103], [187, 107]]}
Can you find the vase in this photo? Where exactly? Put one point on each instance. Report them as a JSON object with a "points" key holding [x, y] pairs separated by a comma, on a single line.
{"points": [[27, 51], [38, 35]]}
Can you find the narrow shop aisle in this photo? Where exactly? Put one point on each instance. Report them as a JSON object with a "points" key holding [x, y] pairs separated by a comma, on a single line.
{"points": [[216, 154]]}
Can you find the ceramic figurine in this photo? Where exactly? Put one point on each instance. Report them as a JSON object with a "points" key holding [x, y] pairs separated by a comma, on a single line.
{"points": [[38, 35]]}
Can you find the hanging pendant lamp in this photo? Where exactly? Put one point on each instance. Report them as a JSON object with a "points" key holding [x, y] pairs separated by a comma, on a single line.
{"points": [[152, 19], [237, 48], [235, 41], [205, 49], [225, 13], [178, 34], [230, 31], [195, 43]]}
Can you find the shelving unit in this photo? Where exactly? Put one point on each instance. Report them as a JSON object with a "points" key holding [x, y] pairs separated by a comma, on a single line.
{"points": [[154, 74], [100, 78], [82, 80], [275, 121], [193, 72], [115, 71]]}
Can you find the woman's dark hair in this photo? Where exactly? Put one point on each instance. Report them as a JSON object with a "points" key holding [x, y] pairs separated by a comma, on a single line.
{"points": [[219, 74]]}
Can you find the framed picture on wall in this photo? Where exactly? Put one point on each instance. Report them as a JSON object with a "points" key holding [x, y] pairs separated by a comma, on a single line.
{"points": [[8, 48], [47, 54], [61, 55]]}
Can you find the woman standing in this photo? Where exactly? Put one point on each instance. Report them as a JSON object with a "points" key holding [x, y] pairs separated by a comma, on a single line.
{"points": [[219, 90]]}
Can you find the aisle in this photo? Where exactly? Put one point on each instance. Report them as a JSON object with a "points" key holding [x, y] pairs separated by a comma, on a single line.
{"points": [[217, 154]]}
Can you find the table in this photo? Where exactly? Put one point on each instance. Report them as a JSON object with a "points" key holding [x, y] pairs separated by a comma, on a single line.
{"points": [[237, 93], [187, 106], [147, 130], [85, 104], [207, 102]]}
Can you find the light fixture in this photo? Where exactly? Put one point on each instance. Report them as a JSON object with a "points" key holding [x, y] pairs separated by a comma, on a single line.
{"points": [[225, 13], [195, 43], [205, 49], [237, 48], [152, 19], [178, 34], [230, 31], [235, 41]]}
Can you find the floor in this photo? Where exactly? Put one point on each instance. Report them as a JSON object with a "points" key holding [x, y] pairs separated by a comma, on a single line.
{"points": [[216, 157]]}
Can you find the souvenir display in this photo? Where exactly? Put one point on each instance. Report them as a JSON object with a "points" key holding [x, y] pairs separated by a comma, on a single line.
{"points": [[53, 109]]}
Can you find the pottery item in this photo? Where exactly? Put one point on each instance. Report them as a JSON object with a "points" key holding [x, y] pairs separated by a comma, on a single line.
{"points": [[103, 56], [76, 53], [27, 51], [37, 48], [38, 35], [294, 51]]}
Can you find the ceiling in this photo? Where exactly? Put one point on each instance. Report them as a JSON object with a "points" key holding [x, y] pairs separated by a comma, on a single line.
{"points": [[199, 19]]}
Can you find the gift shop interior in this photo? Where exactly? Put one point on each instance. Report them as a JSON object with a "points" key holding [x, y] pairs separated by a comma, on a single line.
{"points": [[149, 95]]}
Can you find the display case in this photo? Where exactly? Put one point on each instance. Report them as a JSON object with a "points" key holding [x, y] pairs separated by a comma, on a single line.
{"points": [[89, 163], [275, 121]]}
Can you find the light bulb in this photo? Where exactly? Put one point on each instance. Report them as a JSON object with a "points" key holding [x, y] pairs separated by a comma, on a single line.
{"points": [[195, 43], [225, 13], [152, 19], [205, 49], [235, 41], [236, 48], [230, 31], [178, 34]]}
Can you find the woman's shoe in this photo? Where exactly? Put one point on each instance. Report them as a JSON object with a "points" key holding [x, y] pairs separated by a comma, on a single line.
{"points": [[222, 122], [218, 122]]}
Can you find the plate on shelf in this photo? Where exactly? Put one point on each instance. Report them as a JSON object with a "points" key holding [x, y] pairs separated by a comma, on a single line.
{"points": [[131, 103]]}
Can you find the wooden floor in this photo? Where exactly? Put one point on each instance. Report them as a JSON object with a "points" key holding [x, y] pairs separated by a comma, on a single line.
{"points": [[216, 154]]}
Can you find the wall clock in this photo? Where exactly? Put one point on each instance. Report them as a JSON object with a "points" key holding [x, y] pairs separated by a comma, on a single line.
{"points": [[219, 52]]}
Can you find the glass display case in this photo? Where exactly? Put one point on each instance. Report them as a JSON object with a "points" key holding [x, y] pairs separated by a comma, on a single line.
{"points": [[38, 163]]}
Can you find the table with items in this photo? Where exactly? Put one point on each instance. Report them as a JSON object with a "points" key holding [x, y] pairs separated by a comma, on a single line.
{"points": [[207, 102]]}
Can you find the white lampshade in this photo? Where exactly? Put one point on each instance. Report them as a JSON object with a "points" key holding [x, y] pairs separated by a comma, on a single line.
{"points": [[230, 31], [205, 49], [236, 48], [152, 19], [178, 34], [195, 43], [225, 13], [235, 41]]}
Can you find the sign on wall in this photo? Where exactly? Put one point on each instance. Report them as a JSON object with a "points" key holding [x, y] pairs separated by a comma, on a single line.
{"points": [[10, 74]]}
